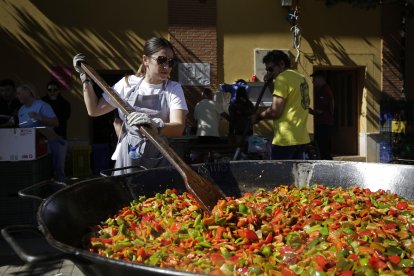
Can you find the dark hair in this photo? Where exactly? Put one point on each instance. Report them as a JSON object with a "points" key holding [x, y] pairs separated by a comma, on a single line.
{"points": [[53, 82], [240, 81], [7, 82], [153, 45], [207, 93], [276, 57], [241, 93]]}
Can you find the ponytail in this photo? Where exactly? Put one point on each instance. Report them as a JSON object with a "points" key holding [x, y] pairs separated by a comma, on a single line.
{"points": [[141, 71]]}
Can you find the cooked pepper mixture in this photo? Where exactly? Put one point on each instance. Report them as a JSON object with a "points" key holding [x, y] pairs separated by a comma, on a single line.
{"points": [[287, 231]]}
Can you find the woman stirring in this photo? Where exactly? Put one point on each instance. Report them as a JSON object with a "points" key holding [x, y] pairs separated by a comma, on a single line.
{"points": [[158, 102]]}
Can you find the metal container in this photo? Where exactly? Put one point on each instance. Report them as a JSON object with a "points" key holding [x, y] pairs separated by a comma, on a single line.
{"points": [[65, 217]]}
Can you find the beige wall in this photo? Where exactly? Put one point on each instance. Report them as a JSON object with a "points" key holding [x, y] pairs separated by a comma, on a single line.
{"points": [[340, 36], [39, 34]]}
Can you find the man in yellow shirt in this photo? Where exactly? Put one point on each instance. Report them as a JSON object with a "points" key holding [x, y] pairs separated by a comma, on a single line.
{"points": [[289, 109]]}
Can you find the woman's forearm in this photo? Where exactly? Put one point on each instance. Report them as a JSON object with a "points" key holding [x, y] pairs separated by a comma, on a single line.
{"points": [[94, 106]]}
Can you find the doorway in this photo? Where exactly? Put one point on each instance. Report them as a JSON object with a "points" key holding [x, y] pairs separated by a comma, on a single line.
{"points": [[346, 85], [104, 138]]}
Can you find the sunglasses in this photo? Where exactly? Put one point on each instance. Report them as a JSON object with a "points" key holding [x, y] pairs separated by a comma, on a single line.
{"points": [[52, 89], [269, 69], [162, 60]]}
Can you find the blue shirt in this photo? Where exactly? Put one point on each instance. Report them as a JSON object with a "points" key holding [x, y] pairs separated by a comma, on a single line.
{"points": [[37, 106]]}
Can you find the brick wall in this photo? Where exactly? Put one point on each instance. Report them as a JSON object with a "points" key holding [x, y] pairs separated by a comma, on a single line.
{"points": [[192, 30]]}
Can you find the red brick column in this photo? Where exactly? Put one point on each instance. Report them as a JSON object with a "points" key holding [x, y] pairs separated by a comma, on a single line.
{"points": [[193, 32]]}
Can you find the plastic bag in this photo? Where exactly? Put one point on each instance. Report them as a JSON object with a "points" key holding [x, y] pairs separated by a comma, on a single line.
{"points": [[257, 144]]}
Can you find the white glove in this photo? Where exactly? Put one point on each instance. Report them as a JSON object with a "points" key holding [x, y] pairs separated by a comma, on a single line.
{"points": [[77, 60], [138, 118], [157, 122]]}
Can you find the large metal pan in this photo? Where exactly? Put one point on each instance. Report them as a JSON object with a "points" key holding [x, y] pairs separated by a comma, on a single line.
{"points": [[65, 217]]}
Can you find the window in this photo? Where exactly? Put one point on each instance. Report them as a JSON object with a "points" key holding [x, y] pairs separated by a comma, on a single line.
{"points": [[254, 91]]}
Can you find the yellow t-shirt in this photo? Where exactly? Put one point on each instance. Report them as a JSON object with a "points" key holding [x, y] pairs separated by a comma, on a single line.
{"points": [[290, 129]]}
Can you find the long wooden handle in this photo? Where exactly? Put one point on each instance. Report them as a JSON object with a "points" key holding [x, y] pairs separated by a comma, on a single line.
{"points": [[205, 192], [126, 108]]}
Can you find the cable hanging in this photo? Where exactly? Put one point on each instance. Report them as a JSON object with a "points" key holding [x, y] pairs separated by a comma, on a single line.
{"points": [[293, 17]]}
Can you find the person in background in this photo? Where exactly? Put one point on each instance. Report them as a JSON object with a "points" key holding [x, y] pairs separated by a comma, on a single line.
{"points": [[34, 112], [158, 103], [240, 110], [289, 109], [207, 114], [37, 113], [323, 115], [9, 104], [232, 89], [62, 109]]}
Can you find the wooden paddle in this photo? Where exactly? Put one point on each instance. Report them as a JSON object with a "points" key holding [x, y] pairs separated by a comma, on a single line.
{"points": [[205, 192]]}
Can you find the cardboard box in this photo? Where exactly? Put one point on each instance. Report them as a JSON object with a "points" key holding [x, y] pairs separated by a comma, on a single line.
{"points": [[20, 144]]}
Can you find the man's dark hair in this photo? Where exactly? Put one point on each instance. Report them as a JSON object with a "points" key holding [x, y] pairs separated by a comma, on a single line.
{"points": [[7, 82], [276, 57], [53, 82], [207, 93]]}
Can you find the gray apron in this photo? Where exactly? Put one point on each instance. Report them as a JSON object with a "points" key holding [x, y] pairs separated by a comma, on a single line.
{"points": [[135, 149]]}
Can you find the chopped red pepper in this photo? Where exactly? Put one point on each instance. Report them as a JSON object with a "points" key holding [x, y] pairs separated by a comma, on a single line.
{"points": [[392, 212], [217, 258], [390, 225], [175, 227], [233, 259], [366, 233], [317, 202], [312, 225], [250, 234], [321, 261], [395, 259], [401, 205], [269, 238], [353, 257], [287, 271], [316, 217], [377, 263]]}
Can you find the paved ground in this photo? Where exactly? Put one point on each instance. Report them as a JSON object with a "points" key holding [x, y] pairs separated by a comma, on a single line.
{"points": [[11, 264], [64, 268]]}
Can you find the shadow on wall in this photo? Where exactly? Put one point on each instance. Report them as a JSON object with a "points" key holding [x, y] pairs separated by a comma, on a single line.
{"points": [[323, 46], [52, 33]]}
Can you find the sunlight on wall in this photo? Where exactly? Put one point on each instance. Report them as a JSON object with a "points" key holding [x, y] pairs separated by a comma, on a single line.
{"points": [[39, 36], [50, 44]]}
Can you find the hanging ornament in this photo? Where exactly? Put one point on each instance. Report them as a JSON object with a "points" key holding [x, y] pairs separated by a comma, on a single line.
{"points": [[293, 17]]}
